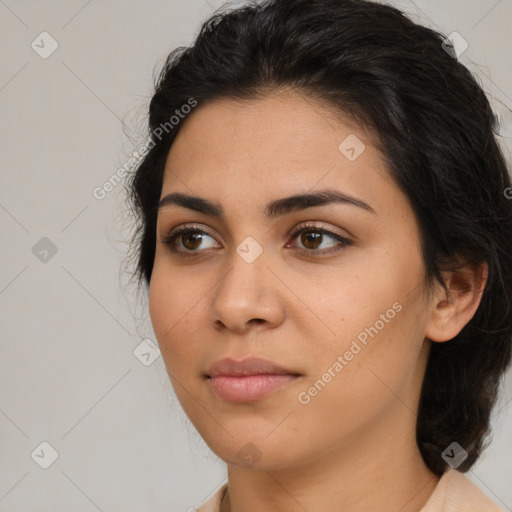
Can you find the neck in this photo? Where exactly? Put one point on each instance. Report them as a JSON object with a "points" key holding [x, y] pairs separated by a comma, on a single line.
{"points": [[378, 471]]}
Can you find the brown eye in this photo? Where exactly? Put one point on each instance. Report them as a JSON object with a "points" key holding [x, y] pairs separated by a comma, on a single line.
{"points": [[191, 241], [191, 237], [311, 239], [312, 236]]}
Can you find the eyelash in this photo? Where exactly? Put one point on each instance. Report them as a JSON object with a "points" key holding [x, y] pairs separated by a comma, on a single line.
{"points": [[191, 229]]}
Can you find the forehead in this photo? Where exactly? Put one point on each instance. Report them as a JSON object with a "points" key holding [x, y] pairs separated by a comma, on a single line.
{"points": [[284, 143], [286, 125]]}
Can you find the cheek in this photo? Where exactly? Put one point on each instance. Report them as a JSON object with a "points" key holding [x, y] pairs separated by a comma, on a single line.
{"points": [[172, 311], [375, 324], [161, 309], [363, 306], [359, 382]]}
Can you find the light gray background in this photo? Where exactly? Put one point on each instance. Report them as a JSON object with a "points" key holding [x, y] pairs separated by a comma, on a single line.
{"points": [[69, 326]]}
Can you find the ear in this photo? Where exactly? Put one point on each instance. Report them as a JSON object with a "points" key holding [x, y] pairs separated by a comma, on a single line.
{"points": [[451, 311]]}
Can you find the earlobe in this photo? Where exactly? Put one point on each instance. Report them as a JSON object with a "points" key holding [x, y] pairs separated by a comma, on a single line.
{"points": [[452, 310]]}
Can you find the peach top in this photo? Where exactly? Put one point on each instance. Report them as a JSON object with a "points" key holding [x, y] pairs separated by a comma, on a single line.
{"points": [[455, 492]]}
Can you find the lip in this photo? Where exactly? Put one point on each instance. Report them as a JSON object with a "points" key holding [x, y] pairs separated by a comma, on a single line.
{"points": [[247, 380], [249, 366]]}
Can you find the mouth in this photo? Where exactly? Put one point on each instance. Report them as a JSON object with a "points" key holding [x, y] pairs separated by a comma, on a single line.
{"points": [[248, 380]]}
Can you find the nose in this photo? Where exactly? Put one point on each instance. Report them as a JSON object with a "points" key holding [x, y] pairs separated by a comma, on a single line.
{"points": [[248, 295]]}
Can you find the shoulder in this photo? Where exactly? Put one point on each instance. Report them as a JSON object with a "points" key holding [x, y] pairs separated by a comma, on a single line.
{"points": [[213, 503], [455, 492]]}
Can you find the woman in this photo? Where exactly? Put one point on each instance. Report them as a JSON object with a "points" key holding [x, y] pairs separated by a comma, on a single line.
{"points": [[325, 238]]}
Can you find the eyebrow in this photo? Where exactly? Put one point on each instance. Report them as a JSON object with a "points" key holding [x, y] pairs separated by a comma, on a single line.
{"points": [[275, 208]]}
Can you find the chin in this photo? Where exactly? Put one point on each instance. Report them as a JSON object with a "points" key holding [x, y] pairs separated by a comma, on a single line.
{"points": [[255, 452]]}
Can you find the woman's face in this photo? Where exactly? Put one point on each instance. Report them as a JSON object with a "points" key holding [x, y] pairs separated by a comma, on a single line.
{"points": [[347, 320]]}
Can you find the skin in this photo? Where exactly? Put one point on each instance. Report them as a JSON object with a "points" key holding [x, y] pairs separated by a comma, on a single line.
{"points": [[352, 447]]}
